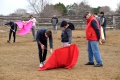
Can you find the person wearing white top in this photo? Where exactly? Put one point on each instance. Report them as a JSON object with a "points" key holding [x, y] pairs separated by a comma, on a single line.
{"points": [[33, 26]]}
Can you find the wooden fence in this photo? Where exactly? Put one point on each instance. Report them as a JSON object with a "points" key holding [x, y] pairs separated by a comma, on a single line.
{"points": [[78, 21]]}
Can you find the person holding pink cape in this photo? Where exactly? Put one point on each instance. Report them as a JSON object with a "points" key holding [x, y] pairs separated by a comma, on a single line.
{"points": [[33, 26], [27, 26]]}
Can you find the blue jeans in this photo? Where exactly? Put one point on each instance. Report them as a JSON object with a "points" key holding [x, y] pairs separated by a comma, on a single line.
{"points": [[93, 51]]}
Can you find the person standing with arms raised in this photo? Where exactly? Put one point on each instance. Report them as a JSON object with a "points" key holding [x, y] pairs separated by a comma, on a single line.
{"points": [[33, 26]]}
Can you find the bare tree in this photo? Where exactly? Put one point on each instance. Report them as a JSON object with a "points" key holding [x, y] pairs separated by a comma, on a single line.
{"points": [[78, 9], [117, 18], [118, 8], [83, 6], [72, 9], [37, 6], [49, 11], [105, 9], [20, 11]]}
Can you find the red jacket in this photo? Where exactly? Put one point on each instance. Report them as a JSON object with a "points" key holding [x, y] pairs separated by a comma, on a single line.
{"points": [[90, 32]]}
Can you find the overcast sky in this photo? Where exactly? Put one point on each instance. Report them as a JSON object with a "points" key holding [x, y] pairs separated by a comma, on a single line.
{"points": [[9, 6]]}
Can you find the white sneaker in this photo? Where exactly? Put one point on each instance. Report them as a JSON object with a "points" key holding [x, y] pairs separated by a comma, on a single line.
{"points": [[41, 65], [44, 62]]}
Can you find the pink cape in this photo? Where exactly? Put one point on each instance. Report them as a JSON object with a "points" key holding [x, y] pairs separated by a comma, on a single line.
{"points": [[24, 27], [65, 57]]}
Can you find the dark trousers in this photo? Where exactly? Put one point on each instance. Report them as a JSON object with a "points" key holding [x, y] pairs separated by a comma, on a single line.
{"points": [[14, 35], [42, 53]]}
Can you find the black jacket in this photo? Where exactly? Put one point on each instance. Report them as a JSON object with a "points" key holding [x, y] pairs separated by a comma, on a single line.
{"points": [[40, 36], [66, 35], [54, 21], [103, 23], [13, 25]]}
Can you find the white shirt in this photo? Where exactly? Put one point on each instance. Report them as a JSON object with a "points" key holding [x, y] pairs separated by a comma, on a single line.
{"points": [[33, 20]]}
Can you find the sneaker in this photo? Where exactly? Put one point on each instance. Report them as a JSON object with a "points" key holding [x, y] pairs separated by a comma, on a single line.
{"points": [[41, 65], [44, 62], [98, 65], [89, 63]]}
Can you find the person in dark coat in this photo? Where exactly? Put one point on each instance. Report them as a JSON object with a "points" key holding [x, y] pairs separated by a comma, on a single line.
{"points": [[103, 23], [66, 35], [41, 37], [13, 30]]}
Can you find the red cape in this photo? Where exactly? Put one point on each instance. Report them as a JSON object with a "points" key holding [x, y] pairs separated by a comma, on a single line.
{"points": [[65, 57]]}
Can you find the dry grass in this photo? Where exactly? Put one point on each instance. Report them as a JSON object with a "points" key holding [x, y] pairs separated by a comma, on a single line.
{"points": [[19, 61]]}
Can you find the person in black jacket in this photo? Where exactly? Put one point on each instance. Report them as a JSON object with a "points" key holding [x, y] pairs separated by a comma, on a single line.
{"points": [[41, 38], [103, 23], [66, 36], [13, 30]]}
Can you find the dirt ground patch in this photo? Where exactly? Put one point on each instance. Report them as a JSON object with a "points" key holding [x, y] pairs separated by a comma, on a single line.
{"points": [[19, 61]]}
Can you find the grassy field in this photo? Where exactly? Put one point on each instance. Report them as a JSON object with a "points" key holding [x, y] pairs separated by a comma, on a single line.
{"points": [[19, 61]]}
